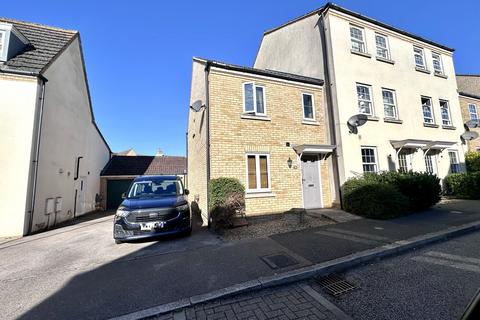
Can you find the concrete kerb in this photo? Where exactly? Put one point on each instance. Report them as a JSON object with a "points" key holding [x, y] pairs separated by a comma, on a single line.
{"points": [[304, 273]]}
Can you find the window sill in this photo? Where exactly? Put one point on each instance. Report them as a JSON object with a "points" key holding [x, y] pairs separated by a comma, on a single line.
{"points": [[255, 117], [385, 60], [373, 118], [310, 122], [440, 75], [430, 125], [362, 54], [390, 120], [422, 70], [260, 194], [449, 127]]}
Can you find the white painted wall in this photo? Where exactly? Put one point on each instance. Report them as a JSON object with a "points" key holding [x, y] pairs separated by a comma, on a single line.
{"points": [[18, 96], [409, 85], [67, 133]]}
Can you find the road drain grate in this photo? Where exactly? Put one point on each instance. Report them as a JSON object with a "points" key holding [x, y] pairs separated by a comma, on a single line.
{"points": [[335, 285], [279, 260]]}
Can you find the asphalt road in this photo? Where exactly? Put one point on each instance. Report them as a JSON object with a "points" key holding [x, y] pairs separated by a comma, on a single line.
{"points": [[436, 282]]}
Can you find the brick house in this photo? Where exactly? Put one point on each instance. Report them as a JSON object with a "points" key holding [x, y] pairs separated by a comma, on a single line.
{"points": [[265, 128], [469, 96]]}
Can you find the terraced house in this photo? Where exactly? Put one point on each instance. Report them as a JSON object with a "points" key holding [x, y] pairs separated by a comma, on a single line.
{"points": [[332, 94], [266, 129], [469, 95], [402, 83]]}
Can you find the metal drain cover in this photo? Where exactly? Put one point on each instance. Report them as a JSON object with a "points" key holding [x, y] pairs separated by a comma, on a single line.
{"points": [[335, 285], [279, 260]]}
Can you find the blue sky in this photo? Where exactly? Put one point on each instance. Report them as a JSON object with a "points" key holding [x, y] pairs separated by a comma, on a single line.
{"points": [[138, 53]]}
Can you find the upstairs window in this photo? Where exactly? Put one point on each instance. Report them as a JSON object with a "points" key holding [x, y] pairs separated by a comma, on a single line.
{"points": [[445, 110], [357, 38], [419, 58], [427, 110], [382, 46], [254, 99], [369, 159], [437, 63], [258, 172], [454, 164], [2, 42], [389, 105], [365, 104], [307, 100], [472, 110]]}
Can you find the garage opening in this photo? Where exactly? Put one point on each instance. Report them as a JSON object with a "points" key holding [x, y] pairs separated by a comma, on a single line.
{"points": [[115, 189]]}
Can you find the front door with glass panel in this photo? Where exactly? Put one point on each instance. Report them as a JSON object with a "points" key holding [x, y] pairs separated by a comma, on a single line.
{"points": [[312, 193]]}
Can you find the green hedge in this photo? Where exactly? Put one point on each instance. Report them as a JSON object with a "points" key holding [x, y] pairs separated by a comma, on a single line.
{"points": [[465, 185], [422, 190], [226, 198], [472, 160], [374, 200]]}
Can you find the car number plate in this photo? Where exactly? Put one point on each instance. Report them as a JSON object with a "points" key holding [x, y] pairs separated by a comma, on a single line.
{"points": [[147, 226]]}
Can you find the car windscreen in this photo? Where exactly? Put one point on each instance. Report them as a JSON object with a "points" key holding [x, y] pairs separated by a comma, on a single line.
{"points": [[155, 188]]}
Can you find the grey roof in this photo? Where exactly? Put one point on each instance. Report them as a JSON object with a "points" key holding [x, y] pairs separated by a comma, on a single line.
{"points": [[46, 43], [331, 5], [144, 165], [469, 85], [262, 72]]}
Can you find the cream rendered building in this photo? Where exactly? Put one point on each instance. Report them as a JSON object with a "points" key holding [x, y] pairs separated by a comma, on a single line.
{"points": [[51, 150], [403, 83]]}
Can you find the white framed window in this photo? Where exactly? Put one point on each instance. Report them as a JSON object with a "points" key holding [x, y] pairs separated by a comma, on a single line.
{"points": [[419, 55], [254, 99], [403, 162], [472, 110], [258, 172], [358, 39], [365, 103], [369, 159], [2, 41], [383, 50], [308, 108], [427, 110], [431, 163], [445, 110], [437, 63], [389, 104], [454, 163]]}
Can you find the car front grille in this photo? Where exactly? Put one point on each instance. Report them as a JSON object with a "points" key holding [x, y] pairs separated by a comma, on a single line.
{"points": [[151, 215]]}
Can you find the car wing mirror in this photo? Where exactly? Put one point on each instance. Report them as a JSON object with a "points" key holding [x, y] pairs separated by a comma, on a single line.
{"points": [[186, 192]]}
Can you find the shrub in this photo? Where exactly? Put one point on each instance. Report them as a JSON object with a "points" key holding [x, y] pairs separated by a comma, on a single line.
{"points": [[465, 185], [472, 160], [226, 199], [373, 200]]}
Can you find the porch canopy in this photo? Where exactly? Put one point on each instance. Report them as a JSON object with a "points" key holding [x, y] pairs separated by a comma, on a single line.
{"points": [[314, 149], [425, 145]]}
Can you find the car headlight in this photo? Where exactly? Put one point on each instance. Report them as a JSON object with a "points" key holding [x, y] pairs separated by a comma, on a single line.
{"points": [[182, 207], [121, 213]]}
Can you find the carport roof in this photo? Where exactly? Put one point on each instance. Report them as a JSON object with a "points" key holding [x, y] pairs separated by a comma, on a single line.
{"points": [[144, 165]]}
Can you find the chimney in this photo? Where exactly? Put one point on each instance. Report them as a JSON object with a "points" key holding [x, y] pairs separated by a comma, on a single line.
{"points": [[159, 153]]}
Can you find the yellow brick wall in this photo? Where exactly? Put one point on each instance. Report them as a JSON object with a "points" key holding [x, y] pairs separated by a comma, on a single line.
{"points": [[464, 101], [231, 137]]}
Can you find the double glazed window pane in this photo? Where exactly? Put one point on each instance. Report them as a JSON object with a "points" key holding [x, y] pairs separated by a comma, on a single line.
{"points": [[454, 165], [307, 106], [254, 102], [429, 163], [389, 104], [437, 65], [445, 113], [263, 172], [368, 160], [364, 99], [427, 110], [419, 60], [257, 166], [252, 176], [473, 111], [249, 100], [382, 50], [356, 36]]}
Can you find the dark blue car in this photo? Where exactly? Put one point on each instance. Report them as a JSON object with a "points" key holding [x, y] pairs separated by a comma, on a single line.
{"points": [[153, 206]]}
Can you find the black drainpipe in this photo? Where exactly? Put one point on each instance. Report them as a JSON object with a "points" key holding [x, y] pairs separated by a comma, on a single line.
{"points": [[207, 110], [328, 91], [37, 154]]}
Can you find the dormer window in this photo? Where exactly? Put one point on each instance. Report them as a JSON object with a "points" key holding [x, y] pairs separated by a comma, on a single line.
{"points": [[2, 42], [12, 41]]}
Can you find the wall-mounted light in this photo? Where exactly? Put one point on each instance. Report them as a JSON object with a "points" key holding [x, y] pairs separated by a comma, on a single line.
{"points": [[289, 162]]}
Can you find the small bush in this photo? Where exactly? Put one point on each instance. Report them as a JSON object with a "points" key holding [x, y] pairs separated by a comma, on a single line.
{"points": [[226, 200], [472, 160], [373, 200], [465, 185]]}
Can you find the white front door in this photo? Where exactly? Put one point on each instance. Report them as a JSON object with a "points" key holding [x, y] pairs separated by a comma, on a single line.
{"points": [[311, 184]]}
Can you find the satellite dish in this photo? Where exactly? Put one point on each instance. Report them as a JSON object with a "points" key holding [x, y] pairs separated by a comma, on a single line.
{"points": [[472, 124], [197, 105], [356, 121], [469, 135]]}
